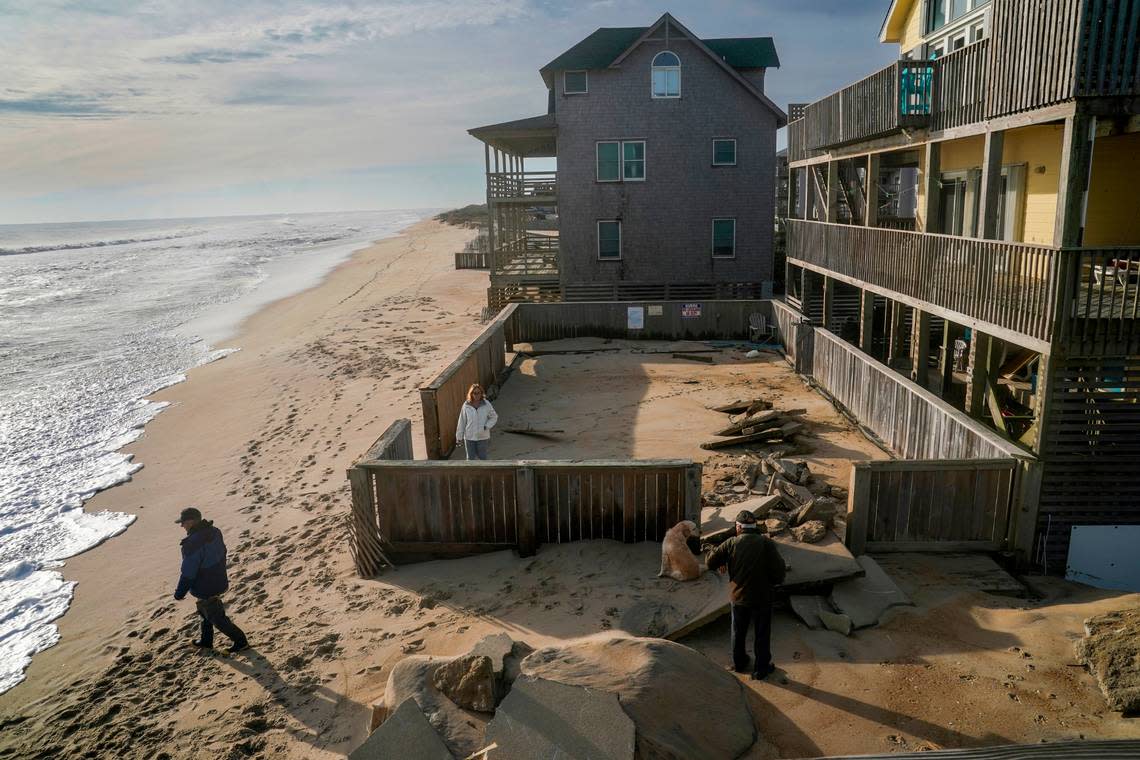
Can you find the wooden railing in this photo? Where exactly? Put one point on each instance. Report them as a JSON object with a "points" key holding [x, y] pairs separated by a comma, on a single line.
{"points": [[534, 186], [472, 260], [931, 505], [1103, 296], [960, 84], [481, 362], [426, 509], [1010, 285], [531, 253], [1108, 59]]}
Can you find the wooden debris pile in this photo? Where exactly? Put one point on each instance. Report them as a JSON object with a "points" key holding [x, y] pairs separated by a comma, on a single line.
{"points": [[756, 422]]}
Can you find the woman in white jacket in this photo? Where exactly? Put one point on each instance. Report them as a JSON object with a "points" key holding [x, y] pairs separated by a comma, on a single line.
{"points": [[476, 418]]}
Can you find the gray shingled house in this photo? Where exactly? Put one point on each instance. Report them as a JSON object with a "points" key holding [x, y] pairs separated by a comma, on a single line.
{"points": [[665, 146]]}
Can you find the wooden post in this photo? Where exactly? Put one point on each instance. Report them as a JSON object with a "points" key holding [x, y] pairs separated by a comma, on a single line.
{"points": [[832, 208], [991, 200], [858, 508], [920, 348], [828, 301], [866, 320], [894, 331], [871, 213], [1023, 511], [946, 357], [524, 512], [431, 424], [978, 372], [793, 193], [693, 493], [1076, 168], [932, 188], [490, 209]]}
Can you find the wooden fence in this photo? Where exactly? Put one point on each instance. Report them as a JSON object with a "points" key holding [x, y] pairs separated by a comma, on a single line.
{"points": [[472, 260], [481, 362], [428, 509], [1008, 285], [667, 320], [363, 523], [792, 328], [939, 505]]}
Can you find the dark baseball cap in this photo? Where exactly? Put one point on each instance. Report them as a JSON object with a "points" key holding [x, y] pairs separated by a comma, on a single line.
{"points": [[190, 513], [746, 518]]}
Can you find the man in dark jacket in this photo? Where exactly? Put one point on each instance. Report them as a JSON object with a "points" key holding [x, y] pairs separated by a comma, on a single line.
{"points": [[204, 576], [754, 569]]}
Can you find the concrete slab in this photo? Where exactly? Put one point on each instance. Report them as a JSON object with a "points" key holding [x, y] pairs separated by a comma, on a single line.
{"points": [[976, 572], [542, 718], [865, 599], [835, 621], [720, 518], [807, 608], [406, 735]]}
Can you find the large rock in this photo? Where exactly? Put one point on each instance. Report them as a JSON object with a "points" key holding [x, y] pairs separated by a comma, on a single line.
{"points": [[1111, 650], [413, 678], [506, 655], [820, 508], [542, 718], [468, 681], [406, 735], [683, 705], [811, 532]]}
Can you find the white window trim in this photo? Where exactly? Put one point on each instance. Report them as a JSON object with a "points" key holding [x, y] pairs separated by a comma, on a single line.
{"points": [[715, 140], [644, 161], [597, 156], [598, 235], [943, 36], [566, 91], [713, 240], [653, 69]]}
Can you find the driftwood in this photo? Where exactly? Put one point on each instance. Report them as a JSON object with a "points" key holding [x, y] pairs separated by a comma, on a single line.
{"points": [[773, 434]]}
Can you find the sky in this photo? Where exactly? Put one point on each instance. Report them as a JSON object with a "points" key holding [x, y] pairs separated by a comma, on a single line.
{"points": [[112, 109]]}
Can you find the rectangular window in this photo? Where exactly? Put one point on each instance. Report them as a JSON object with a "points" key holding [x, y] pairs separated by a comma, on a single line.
{"points": [[724, 238], [724, 152], [667, 82], [609, 161], [633, 161], [575, 83], [609, 239]]}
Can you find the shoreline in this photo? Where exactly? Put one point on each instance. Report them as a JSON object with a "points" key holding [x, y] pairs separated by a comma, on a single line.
{"points": [[192, 452]]}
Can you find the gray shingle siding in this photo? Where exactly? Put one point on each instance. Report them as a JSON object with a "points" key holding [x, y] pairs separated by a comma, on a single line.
{"points": [[667, 219]]}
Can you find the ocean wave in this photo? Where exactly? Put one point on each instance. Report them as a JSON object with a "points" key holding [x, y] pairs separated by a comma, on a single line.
{"points": [[77, 246]]}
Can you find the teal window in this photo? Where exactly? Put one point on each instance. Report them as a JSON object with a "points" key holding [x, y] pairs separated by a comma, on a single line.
{"points": [[609, 161], [666, 75], [724, 238], [609, 239], [633, 161], [724, 152], [575, 83]]}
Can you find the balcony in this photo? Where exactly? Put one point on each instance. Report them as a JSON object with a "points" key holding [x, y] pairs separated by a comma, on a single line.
{"points": [[1038, 55], [531, 188], [528, 257], [1033, 294]]}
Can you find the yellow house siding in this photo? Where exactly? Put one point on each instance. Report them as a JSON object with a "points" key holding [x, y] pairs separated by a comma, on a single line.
{"points": [[912, 32], [1113, 206], [1039, 148]]}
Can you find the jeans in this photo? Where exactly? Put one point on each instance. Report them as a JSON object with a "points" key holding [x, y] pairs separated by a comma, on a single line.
{"points": [[213, 614], [760, 618], [477, 449]]}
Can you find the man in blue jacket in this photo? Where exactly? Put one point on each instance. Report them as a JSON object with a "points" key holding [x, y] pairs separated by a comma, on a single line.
{"points": [[204, 576]]}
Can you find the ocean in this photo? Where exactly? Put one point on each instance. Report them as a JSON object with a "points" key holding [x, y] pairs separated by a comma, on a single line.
{"points": [[94, 317]]}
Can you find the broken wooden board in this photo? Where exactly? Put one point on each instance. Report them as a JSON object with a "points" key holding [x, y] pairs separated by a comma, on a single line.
{"points": [[738, 406], [755, 420], [808, 565], [775, 434]]}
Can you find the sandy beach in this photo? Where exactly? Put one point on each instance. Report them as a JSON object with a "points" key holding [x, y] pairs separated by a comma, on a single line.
{"points": [[260, 441]]}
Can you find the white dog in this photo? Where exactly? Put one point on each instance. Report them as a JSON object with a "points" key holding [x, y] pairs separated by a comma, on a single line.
{"points": [[677, 561]]}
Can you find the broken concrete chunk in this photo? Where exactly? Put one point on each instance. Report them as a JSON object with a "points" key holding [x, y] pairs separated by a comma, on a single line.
{"points": [[819, 508], [542, 718], [405, 735], [808, 608], [460, 729], [1111, 651], [837, 622], [810, 532], [796, 492], [865, 599], [774, 526], [496, 646], [468, 681]]}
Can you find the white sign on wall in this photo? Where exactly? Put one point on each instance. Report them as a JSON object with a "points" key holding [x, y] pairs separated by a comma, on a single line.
{"points": [[635, 317]]}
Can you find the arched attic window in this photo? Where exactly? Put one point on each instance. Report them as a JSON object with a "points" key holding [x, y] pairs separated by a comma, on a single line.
{"points": [[666, 75]]}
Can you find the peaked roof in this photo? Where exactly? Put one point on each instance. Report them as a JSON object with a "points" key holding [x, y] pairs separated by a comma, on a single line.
{"points": [[608, 46], [894, 23]]}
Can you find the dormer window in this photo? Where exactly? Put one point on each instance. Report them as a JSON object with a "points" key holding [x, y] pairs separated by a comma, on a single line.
{"points": [[666, 75], [575, 83]]}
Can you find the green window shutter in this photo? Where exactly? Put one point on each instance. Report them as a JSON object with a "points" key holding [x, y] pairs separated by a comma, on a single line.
{"points": [[633, 160], [609, 161], [724, 152], [609, 240], [724, 237]]}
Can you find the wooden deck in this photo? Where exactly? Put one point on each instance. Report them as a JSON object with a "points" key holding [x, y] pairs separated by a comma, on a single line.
{"points": [[1038, 54], [529, 256], [532, 188]]}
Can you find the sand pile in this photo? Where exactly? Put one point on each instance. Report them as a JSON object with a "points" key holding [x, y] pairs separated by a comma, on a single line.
{"points": [[1111, 650]]}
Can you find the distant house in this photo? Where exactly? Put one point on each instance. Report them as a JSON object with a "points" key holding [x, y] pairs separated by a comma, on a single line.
{"points": [[665, 179]]}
